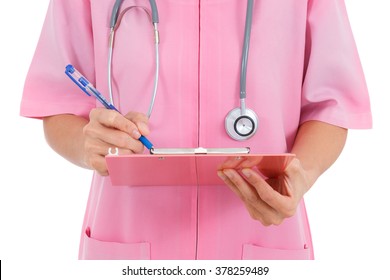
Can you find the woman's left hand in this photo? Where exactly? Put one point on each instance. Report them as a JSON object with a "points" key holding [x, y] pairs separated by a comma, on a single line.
{"points": [[272, 200]]}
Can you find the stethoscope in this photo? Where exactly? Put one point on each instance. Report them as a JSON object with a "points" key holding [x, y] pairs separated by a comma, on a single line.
{"points": [[241, 123]]}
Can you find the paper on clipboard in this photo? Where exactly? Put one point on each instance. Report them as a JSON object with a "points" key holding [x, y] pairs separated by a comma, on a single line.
{"points": [[188, 170]]}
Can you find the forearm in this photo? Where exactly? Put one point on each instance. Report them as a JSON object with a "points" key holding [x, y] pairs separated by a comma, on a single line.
{"points": [[64, 134], [317, 146]]}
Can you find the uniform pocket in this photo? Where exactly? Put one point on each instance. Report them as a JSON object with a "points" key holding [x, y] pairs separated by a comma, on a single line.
{"points": [[94, 249], [253, 252]]}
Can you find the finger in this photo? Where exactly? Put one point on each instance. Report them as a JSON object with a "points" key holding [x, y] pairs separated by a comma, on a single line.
{"points": [[95, 157], [274, 199], [113, 119], [140, 120], [98, 163], [119, 139], [230, 184], [266, 218], [247, 192], [95, 153], [104, 149], [257, 208]]}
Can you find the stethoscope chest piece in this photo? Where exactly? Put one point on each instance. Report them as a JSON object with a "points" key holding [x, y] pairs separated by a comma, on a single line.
{"points": [[240, 126], [241, 123]]}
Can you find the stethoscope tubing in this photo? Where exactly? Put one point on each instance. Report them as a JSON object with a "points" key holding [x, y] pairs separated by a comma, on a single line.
{"points": [[115, 16], [245, 55], [236, 116]]}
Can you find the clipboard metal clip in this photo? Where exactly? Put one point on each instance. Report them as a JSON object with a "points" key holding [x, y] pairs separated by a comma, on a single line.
{"points": [[198, 151]]}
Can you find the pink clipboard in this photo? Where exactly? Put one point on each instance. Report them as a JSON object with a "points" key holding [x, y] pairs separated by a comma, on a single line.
{"points": [[188, 170]]}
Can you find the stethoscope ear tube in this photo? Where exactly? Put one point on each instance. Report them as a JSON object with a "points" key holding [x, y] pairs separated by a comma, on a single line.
{"points": [[117, 5], [245, 48], [153, 6], [115, 12]]}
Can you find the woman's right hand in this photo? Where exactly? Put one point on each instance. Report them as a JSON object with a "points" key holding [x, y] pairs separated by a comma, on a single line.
{"points": [[109, 129], [86, 142]]}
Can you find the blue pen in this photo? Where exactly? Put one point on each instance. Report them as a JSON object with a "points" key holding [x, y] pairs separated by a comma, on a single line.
{"points": [[89, 89]]}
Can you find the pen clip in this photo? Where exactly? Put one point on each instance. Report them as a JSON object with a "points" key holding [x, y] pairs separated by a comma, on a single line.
{"points": [[70, 71]]}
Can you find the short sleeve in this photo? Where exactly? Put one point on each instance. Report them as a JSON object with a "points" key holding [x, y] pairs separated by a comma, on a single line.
{"points": [[334, 87], [66, 38]]}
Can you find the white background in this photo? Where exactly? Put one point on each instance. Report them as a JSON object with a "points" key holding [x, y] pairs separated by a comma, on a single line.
{"points": [[43, 197]]}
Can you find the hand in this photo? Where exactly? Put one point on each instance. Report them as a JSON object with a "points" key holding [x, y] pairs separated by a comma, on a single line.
{"points": [[109, 129], [268, 201]]}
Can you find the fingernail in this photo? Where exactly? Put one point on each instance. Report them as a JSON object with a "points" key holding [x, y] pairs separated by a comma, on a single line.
{"points": [[221, 175], [143, 127], [136, 134], [246, 173], [228, 173]]}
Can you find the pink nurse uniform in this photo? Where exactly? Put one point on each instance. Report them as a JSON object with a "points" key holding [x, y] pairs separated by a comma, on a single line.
{"points": [[303, 65]]}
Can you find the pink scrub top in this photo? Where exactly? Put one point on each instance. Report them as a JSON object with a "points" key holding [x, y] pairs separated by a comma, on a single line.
{"points": [[303, 65]]}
